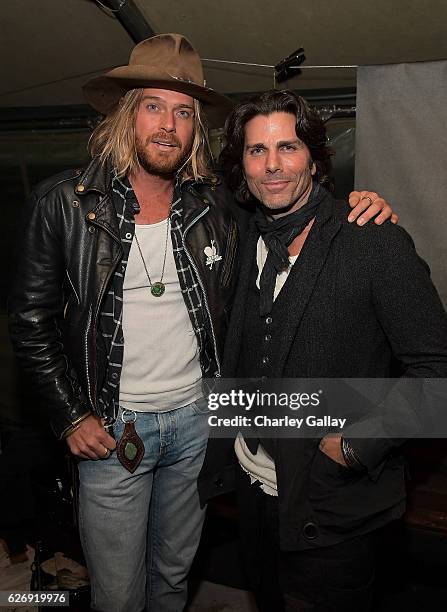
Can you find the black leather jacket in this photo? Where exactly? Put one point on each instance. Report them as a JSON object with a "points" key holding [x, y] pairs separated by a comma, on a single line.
{"points": [[67, 255]]}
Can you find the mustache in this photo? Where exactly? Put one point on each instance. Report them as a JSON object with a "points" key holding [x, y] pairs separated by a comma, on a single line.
{"points": [[277, 178], [169, 139]]}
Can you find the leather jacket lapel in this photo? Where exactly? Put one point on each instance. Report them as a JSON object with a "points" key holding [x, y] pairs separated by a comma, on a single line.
{"points": [[234, 335], [105, 217]]}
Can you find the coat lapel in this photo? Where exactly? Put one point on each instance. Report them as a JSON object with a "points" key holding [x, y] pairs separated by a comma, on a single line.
{"points": [[303, 277], [299, 286]]}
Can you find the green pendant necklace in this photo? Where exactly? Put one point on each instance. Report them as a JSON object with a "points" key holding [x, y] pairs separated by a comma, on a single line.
{"points": [[157, 288]]}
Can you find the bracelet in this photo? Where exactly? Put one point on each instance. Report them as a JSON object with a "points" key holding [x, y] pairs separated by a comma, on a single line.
{"points": [[75, 425], [350, 456]]}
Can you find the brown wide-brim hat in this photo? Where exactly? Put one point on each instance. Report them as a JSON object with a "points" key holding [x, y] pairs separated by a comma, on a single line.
{"points": [[166, 61]]}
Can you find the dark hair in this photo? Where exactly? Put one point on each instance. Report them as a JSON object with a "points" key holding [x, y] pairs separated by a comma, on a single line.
{"points": [[309, 129]]}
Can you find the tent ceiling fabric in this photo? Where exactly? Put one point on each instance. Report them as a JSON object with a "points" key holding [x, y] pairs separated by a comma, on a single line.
{"points": [[51, 40], [334, 33]]}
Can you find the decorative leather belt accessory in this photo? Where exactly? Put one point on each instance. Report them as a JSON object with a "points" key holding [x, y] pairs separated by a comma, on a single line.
{"points": [[130, 447]]}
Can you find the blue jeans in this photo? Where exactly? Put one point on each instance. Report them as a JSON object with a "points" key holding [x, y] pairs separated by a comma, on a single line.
{"points": [[140, 531]]}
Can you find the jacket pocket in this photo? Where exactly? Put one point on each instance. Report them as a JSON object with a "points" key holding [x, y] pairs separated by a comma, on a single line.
{"points": [[329, 472]]}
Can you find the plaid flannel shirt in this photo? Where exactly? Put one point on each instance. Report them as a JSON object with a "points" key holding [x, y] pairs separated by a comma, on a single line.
{"points": [[126, 204]]}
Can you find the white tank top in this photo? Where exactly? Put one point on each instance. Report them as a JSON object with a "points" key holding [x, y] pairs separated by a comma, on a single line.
{"points": [[161, 368]]}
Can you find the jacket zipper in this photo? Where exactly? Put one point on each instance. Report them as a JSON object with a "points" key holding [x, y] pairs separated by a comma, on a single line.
{"points": [[89, 323], [217, 374], [92, 320]]}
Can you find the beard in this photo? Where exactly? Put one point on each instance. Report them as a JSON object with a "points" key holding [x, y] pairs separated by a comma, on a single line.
{"points": [[164, 163], [292, 198]]}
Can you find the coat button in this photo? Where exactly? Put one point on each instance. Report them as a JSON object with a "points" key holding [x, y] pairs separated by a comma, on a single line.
{"points": [[91, 216], [310, 531], [268, 320], [219, 483], [265, 360], [268, 337], [91, 229], [80, 188], [75, 204]]}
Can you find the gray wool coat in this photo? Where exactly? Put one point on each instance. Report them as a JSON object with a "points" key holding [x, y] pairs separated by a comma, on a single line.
{"points": [[357, 301]]}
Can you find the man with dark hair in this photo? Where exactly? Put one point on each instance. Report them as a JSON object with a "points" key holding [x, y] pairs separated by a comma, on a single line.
{"points": [[315, 301]]}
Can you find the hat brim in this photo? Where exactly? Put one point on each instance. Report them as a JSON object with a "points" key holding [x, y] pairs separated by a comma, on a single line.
{"points": [[104, 92]]}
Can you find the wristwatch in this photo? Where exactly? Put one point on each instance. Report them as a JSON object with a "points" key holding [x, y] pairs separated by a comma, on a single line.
{"points": [[350, 456]]}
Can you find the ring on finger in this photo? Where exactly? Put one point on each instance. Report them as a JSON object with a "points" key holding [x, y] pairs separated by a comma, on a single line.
{"points": [[106, 454], [367, 198]]}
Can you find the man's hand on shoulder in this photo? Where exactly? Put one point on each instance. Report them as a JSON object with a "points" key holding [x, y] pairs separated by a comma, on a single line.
{"points": [[368, 204], [90, 440]]}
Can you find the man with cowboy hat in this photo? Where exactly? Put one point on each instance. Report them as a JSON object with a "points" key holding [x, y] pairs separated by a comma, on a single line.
{"points": [[125, 277]]}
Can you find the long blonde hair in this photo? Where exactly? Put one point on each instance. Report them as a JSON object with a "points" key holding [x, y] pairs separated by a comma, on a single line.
{"points": [[114, 139]]}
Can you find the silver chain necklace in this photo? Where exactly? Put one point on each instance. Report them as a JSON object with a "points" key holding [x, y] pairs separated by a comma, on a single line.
{"points": [[157, 288]]}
